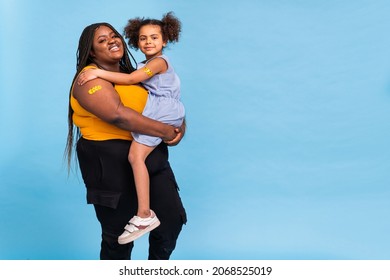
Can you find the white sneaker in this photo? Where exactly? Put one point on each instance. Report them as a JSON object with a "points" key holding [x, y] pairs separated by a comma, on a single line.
{"points": [[137, 227]]}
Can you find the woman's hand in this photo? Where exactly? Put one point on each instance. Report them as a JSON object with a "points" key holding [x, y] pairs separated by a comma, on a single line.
{"points": [[180, 134]]}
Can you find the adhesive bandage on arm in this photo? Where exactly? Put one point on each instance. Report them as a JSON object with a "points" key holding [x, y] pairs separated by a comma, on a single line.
{"points": [[148, 71]]}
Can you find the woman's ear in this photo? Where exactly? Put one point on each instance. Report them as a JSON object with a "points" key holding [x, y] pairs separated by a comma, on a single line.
{"points": [[92, 53]]}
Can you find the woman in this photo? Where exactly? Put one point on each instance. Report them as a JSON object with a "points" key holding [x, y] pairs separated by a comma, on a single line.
{"points": [[104, 114], [158, 76]]}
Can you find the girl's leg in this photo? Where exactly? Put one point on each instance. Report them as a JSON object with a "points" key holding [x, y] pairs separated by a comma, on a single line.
{"points": [[137, 156], [145, 220]]}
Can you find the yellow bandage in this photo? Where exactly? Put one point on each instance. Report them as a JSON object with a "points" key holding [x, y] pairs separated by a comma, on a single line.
{"points": [[148, 71], [94, 89]]}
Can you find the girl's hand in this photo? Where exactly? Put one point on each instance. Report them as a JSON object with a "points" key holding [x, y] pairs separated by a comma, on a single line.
{"points": [[86, 76]]}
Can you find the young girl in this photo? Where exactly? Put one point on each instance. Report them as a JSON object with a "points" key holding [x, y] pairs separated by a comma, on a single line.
{"points": [[158, 76]]}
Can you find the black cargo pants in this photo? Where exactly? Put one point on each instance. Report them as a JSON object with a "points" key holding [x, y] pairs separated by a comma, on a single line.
{"points": [[109, 180]]}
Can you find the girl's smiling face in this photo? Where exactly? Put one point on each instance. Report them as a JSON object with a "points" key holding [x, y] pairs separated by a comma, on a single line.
{"points": [[150, 40]]}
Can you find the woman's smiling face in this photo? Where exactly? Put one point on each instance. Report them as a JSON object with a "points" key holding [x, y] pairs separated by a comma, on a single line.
{"points": [[107, 47]]}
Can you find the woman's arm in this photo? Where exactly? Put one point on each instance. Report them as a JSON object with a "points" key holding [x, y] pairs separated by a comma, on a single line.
{"points": [[155, 66], [100, 98]]}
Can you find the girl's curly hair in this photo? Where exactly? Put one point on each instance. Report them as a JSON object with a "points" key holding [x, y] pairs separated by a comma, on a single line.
{"points": [[169, 24]]}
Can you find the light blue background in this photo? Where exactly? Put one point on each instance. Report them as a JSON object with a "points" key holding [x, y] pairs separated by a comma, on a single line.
{"points": [[287, 150]]}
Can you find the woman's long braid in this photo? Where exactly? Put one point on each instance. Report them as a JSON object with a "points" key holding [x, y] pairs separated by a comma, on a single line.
{"points": [[82, 58]]}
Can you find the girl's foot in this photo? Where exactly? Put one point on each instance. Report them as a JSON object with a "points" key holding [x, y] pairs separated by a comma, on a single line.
{"points": [[137, 227]]}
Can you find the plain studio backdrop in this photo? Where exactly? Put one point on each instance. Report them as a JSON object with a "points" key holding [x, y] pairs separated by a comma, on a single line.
{"points": [[287, 151]]}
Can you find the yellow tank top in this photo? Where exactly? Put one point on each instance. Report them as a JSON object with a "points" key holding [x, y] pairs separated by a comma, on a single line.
{"points": [[93, 128]]}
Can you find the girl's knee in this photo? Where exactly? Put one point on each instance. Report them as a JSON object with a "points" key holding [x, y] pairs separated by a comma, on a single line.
{"points": [[133, 158]]}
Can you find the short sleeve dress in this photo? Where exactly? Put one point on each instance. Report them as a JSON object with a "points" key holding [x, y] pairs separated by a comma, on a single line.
{"points": [[163, 102]]}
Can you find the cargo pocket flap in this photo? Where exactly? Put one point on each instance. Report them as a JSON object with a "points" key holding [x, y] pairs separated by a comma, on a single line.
{"points": [[103, 198]]}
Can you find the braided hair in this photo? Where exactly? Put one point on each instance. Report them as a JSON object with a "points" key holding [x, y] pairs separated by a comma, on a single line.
{"points": [[169, 24], [84, 59]]}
